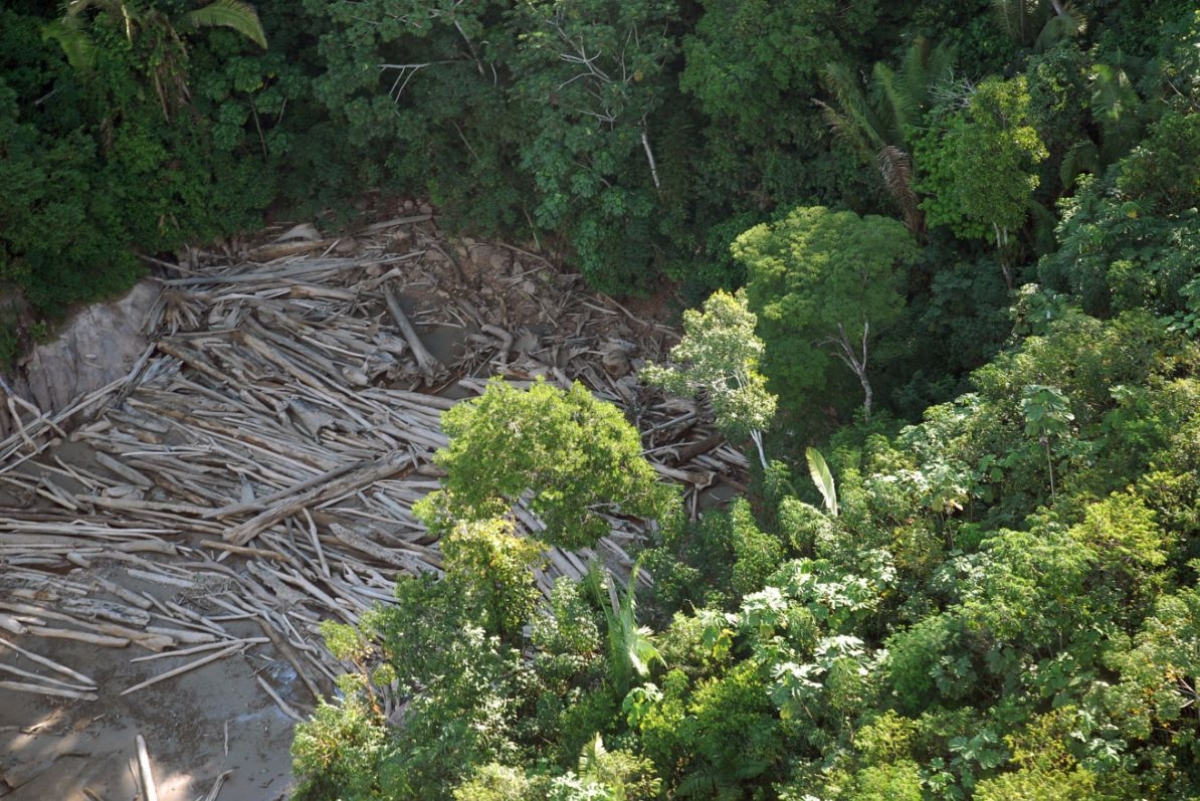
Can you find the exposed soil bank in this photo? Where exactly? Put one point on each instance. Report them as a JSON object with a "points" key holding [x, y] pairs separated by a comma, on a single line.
{"points": [[100, 344]]}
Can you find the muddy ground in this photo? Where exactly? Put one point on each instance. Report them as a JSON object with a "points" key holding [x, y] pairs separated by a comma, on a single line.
{"points": [[207, 722]]}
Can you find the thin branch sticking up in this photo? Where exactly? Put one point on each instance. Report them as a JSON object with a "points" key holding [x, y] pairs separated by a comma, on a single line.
{"points": [[650, 156]]}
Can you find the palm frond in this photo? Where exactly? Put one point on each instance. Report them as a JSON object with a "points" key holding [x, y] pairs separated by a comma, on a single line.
{"points": [[1117, 107], [895, 166], [939, 67], [74, 8], [913, 75], [1081, 157], [233, 14], [631, 651], [1021, 19], [1069, 24], [843, 128], [589, 758], [75, 42], [854, 120], [894, 96]]}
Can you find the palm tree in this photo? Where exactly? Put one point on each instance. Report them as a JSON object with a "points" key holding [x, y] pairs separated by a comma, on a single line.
{"points": [[1120, 116], [156, 32], [877, 121], [631, 650], [1039, 24]]}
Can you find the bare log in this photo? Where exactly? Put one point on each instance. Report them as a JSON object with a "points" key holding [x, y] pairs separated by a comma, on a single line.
{"points": [[356, 480], [149, 790], [170, 674], [284, 706], [286, 650], [431, 369], [50, 663], [80, 636], [41, 689]]}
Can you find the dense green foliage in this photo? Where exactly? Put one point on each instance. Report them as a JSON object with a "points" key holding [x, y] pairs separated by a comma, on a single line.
{"points": [[568, 456], [638, 138], [987, 211], [823, 283], [109, 144], [988, 588]]}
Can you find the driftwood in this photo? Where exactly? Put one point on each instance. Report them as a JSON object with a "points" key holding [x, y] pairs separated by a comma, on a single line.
{"points": [[220, 780], [25, 674], [149, 789], [262, 459], [429, 366], [289, 653], [41, 689], [80, 636], [41, 660], [353, 481], [11, 624], [170, 674], [284, 706]]}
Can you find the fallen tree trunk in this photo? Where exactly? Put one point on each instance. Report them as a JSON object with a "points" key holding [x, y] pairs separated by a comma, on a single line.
{"points": [[431, 369], [357, 480]]}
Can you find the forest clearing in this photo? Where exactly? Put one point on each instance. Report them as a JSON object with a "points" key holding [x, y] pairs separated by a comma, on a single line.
{"points": [[254, 474]]}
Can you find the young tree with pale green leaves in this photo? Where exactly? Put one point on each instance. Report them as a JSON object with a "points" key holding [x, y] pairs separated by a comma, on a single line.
{"points": [[570, 457], [822, 282], [719, 356], [1047, 414]]}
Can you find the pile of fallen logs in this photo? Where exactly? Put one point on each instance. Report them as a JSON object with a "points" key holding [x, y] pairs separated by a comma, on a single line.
{"points": [[260, 462]]}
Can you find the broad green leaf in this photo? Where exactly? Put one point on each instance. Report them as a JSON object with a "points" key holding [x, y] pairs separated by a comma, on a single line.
{"points": [[823, 478]]}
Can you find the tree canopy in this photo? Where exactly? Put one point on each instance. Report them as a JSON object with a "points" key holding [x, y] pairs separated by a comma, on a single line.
{"points": [[719, 355], [823, 282], [570, 457]]}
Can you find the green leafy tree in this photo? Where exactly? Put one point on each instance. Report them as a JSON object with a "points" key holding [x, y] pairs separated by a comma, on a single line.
{"points": [[978, 163], [757, 553], [747, 60], [1047, 415], [338, 751], [1160, 674], [571, 457], [719, 356], [824, 281], [897, 782], [1129, 238], [494, 567], [493, 782], [1030, 590], [594, 75], [417, 92], [1130, 556]]}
